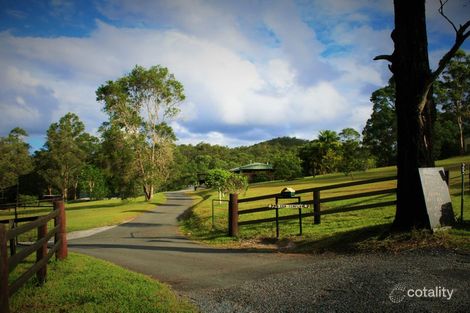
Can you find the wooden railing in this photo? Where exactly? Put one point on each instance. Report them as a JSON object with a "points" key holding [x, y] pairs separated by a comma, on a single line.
{"points": [[317, 200], [43, 254]]}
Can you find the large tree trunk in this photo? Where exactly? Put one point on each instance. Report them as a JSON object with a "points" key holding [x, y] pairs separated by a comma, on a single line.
{"points": [[414, 109]]}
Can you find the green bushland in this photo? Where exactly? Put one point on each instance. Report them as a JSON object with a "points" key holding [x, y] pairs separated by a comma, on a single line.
{"points": [[85, 284], [342, 230]]}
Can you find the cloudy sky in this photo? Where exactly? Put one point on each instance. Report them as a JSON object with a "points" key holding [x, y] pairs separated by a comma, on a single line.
{"points": [[252, 70]]}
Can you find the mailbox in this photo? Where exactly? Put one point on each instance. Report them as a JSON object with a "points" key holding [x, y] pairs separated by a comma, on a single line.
{"points": [[288, 192]]}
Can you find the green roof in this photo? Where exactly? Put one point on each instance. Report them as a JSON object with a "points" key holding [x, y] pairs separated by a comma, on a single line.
{"points": [[253, 167]]}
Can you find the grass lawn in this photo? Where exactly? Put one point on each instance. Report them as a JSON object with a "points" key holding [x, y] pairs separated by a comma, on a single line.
{"points": [[353, 229], [85, 284], [91, 214]]}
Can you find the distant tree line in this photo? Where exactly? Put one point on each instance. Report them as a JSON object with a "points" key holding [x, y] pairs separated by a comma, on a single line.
{"points": [[135, 151]]}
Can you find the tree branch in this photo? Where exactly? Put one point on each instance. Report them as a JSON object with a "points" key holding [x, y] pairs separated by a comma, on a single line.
{"points": [[460, 36], [386, 57], [441, 12]]}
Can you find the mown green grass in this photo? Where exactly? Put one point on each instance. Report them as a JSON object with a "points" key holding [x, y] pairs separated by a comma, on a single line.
{"points": [[91, 214], [335, 229], [84, 284]]}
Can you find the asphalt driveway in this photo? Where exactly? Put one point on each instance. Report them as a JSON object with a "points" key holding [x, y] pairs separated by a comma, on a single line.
{"points": [[230, 280]]}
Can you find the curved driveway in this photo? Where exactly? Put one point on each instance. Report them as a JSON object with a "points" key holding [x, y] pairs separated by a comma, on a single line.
{"points": [[226, 280]]}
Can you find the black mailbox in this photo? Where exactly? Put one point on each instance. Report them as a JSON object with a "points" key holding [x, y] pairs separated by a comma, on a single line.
{"points": [[288, 192]]}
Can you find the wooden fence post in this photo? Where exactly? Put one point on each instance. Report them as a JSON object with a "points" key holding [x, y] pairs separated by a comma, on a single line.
{"points": [[11, 224], [233, 215], [4, 292], [316, 207], [61, 235], [40, 254]]}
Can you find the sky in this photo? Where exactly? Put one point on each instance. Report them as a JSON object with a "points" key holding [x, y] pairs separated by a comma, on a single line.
{"points": [[251, 70]]}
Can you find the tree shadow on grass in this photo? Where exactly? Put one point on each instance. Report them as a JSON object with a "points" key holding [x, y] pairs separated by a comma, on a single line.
{"points": [[94, 206], [358, 240], [189, 213], [465, 226], [141, 211]]}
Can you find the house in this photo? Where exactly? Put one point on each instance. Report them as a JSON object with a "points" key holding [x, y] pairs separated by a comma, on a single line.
{"points": [[255, 171]]}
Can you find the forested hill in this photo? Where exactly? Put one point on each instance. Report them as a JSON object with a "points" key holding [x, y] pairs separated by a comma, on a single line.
{"points": [[283, 142], [199, 158]]}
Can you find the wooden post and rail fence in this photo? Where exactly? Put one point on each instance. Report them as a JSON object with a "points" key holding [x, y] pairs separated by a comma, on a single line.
{"points": [[234, 212], [8, 237], [317, 201]]}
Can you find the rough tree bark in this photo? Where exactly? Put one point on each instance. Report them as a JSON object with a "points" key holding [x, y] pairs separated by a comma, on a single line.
{"points": [[414, 106], [410, 67]]}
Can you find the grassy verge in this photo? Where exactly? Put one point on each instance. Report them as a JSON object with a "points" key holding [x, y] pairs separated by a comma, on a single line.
{"points": [[365, 229], [91, 214], [86, 215], [85, 284]]}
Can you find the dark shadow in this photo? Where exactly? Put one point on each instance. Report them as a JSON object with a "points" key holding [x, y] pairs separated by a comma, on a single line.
{"points": [[94, 206], [196, 249], [141, 211], [188, 213], [345, 242], [167, 204], [447, 215], [138, 225], [179, 198], [465, 225]]}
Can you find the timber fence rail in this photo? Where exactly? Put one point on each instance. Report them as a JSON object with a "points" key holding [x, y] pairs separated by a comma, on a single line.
{"points": [[317, 200], [43, 254]]}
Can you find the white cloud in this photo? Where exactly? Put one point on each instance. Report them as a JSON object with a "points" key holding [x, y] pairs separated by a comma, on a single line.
{"points": [[250, 71]]}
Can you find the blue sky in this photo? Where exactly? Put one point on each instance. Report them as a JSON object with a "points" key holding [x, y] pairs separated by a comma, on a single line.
{"points": [[252, 70]]}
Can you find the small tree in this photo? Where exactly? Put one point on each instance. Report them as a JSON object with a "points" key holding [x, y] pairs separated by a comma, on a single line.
{"points": [[14, 158], [65, 154], [217, 178], [353, 156], [235, 183]]}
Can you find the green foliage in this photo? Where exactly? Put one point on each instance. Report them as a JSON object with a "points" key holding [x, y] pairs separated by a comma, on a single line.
{"points": [[235, 183], [287, 166], [321, 155], [217, 178], [14, 158], [65, 153], [138, 104], [191, 160], [92, 182], [353, 155], [380, 132], [27, 199], [453, 93], [118, 162]]}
